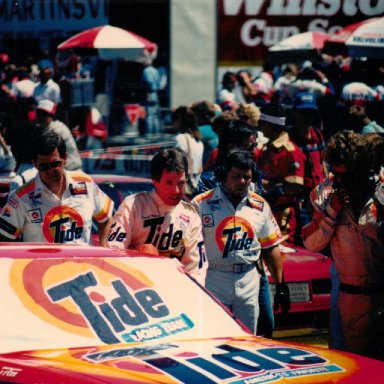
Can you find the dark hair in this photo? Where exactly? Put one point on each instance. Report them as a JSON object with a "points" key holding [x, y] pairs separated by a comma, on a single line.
{"points": [[187, 121], [171, 160], [228, 78], [238, 159], [351, 149], [235, 132], [204, 110], [46, 142], [221, 122], [21, 138]]}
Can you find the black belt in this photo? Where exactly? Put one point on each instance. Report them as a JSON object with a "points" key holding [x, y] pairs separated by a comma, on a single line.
{"points": [[357, 290], [234, 268]]}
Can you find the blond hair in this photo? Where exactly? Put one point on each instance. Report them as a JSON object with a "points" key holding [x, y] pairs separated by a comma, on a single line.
{"points": [[251, 111]]}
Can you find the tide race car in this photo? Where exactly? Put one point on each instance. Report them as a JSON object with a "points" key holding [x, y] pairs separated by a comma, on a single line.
{"points": [[80, 314]]}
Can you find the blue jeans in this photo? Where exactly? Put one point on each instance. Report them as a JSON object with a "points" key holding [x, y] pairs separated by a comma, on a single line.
{"points": [[335, 329], [266, 322]]}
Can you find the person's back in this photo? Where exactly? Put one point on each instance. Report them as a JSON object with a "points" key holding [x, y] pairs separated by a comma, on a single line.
{"points": [[46, 88], [189, 140], [45, 113], [205, 112], [74, 160]]}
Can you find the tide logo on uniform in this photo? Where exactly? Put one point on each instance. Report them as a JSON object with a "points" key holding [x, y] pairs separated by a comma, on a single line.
{"points": [[95, 297], [234, 234], [62, 224]]}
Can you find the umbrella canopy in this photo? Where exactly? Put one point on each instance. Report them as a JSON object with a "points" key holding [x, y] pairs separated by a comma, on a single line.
{"points": [[363, 39], [112, 43], [300, 47]]}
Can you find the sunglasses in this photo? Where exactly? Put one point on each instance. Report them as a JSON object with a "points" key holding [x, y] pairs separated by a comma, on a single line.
{"points": [[46, 166]]}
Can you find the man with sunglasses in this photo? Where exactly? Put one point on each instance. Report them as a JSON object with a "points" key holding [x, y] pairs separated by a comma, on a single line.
{"points": [[56, 206], [346, 217]]}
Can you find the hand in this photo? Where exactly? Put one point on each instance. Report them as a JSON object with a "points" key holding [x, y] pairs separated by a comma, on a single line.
{"points": [[282, 298], [339, 199], [148, 248]]}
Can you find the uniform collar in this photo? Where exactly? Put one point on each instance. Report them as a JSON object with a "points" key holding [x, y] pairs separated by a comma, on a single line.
{"points": [[281, 141], [40, 186], [161, 206], [221, 194]]}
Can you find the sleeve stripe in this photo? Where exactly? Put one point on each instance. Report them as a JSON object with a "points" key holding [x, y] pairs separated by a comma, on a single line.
{"points": [[294, 179], [9, 228], [273, 239], [105, 212], [29, 187]]}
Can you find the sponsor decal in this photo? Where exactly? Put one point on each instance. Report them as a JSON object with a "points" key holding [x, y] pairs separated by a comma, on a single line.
{"points": [[35, 215], [97, 298], [184, 217], [7, 212], [116, 233], [163, 241], [161, 329], [13, 202], [257, 204], [62, 224], [6, 371], [78, 189], [208, 220], [234, 233], [225, 361], [214, 205], [35, 199]]}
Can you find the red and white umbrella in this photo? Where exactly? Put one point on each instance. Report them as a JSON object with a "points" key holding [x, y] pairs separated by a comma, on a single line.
{"points": [[363, 39], [299, 47], [112, 43]]}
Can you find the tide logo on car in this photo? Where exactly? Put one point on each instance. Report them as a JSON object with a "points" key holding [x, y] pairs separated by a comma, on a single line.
{"points": [[93, 297], [233, 234], [62, 224]]}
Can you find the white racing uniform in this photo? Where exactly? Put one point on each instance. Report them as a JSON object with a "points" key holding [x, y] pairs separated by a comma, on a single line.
{"points": [[175, 231], [40, 215], [234, 238]]}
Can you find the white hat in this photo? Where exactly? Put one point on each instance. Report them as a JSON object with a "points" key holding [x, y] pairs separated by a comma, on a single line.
{"points": [[47, 106]]}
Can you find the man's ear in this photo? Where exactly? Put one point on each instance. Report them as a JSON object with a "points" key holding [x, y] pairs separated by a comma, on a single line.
{"points": [[65, 158]]}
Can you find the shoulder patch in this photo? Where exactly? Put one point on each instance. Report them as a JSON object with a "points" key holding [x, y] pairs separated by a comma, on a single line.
{"points": [[189, 205], [204, 196], [255, 196], [81, 176], [80, 188]]}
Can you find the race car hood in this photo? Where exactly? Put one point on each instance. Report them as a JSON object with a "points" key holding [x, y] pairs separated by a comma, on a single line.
{"points": [[245, 359]]}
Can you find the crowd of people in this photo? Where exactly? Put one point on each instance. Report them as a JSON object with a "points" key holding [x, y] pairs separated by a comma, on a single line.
{"points": [[291, 155]]}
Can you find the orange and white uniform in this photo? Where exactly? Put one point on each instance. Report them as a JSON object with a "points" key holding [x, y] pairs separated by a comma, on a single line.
{"points": [[236, 235], [175, 231], [39, 215], [233, 240]]}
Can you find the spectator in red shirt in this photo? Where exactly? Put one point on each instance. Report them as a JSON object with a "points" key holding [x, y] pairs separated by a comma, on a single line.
{"points": [[282, 163]]}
